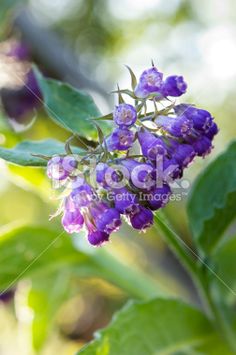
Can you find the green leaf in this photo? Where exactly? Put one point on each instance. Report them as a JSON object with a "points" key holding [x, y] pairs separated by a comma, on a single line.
{"points": [[224, 265], [215, 346], [133, 77], [26, 250], [21, 154], [29, 250], [69, 107], [159, 326], [212, 204]]}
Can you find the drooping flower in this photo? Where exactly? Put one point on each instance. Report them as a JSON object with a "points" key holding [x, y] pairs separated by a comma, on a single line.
{"points": [[180, 126], [57, 169], [72, 221], [98, 238], [105, 218], [83, 195], [202, 146], [142, 218], [159, 197], [174, 85], [120, 139], [125, 201], [151, 145]]}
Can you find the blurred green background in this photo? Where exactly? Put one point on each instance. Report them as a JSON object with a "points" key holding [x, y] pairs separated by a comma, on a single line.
{"points": [[93, 40]]}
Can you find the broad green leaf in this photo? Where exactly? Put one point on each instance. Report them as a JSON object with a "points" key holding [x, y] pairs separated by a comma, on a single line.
{"points": [[22, 154], [29, 250], [69, 107], [212, 204], [159, 326], [26, 250]]}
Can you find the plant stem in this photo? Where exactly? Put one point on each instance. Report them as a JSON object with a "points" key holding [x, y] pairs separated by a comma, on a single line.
{"points": [[176, 244], [213, 309]]}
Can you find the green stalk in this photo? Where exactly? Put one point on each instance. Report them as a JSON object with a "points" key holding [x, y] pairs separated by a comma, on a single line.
{"points": [[175, 243]]}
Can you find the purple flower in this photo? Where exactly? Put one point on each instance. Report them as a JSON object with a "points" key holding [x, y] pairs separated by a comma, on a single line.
{"points": [[174, 85], [171, 169], [125, 115], [55, 169], [83, 195], [97, 238], [181, 109], [120, 139], [72, 221], [141, 174], [151, 145], [101, 169], [202, 146], [150, 82], [202, 119], [125, 201], [159, 197], [183, 154], [142, 218], [179, 127], [18, 102], [105, 218], [107, 176], [20, 51], [213, 130]]}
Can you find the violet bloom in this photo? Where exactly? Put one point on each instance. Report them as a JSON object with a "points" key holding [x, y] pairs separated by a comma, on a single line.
{"points": [[20, 51], [202, 119], [171, 170], [142, 218], [151, 145], [107, 176], [125, 201], [83, 195], [55, 169], [183, 154], [98, 238], [202, 146], [72, 221], [105, 218], [141, 174], [180, 127], [120, 139], [174, 85], [125, 115], [159, 197], [18, 102], [101, 170], [150, 82], [213, 130]]}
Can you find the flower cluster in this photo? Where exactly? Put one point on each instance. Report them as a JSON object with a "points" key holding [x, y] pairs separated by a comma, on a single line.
{"points": [[136, 163]]}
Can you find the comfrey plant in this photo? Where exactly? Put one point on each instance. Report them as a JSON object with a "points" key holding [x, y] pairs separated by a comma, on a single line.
{"points": [[137, 162], [127, 166]]}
